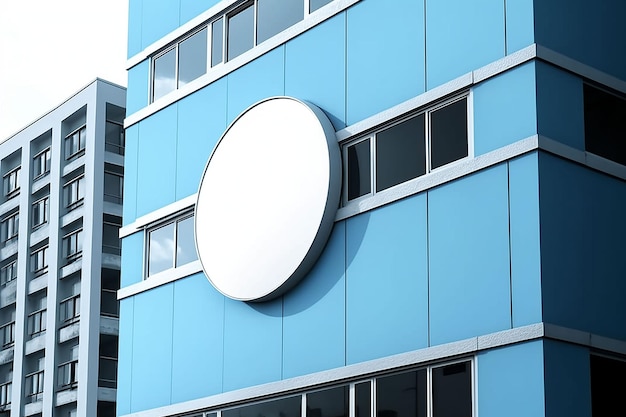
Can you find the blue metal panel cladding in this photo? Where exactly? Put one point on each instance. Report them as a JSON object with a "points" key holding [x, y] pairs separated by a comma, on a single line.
{"points": [[314, 324], [468, 230], [385, 56], [129, 209], [582, 230], [156, 162], [138, 86], [159, 17], [387, 281], [201, 122], [461, 36], [505, 109], [125, 356], [132, 253], [315, 68], [198, 328], [560, 106], [511, 381], [524, 235], [519, 25]]}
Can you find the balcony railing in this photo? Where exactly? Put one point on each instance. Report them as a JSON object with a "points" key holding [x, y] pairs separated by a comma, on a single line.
{"points": [[68, 375], [7, 334]]}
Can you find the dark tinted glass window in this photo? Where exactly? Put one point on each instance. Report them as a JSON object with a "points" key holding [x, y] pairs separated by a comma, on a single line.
{"points": [[452, 391], [284, 407], [448, 130], [359, 169], [400, 153], [274, 16], [605, 124], [164, 74], [401, 395], [332, 402], [363, 399], [316, 4], [192, 57], [607, 387], [240, 32], [217, 42]]}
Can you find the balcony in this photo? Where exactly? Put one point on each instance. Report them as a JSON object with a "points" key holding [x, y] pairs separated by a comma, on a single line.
{"points": [[67, 375]]}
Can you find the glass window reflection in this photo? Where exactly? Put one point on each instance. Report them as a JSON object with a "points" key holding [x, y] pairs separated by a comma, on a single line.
{"points": [[192, 57], [333, 402], [274, 16], [240, 32], [185, 246], [164, 74], [161, 249]]}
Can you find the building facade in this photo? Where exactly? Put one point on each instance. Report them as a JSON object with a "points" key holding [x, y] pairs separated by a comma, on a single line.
{"points": [[475, 265], [60, 214]]}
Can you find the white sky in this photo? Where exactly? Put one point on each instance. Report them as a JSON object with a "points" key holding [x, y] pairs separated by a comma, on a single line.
{"points": [[49, 49]]}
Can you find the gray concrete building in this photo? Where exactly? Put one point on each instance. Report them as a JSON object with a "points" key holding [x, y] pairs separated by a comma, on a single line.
{"points": [[60, 213]]}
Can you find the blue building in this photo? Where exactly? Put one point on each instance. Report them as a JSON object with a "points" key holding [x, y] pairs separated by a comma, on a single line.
{"points": [[475, 263]]}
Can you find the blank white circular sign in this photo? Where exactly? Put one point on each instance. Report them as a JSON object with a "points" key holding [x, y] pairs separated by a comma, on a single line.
{"points": [[268, 199]]}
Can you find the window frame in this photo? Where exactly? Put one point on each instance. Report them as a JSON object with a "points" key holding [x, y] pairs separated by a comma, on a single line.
{"points": [[372, 134], [9, 227], [74, 240], [4, 277], [69, 151], [14, 175], [34, 254], [46, 207], [79, 200], [119, 148], [148, 230], [44, 157]]}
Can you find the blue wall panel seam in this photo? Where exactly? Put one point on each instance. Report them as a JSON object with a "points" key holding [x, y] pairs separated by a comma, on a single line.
{"points": [[508, 183], [425, 69], [427, 273], [345, 293], [172, 340], [505, 31], [132, 346]]}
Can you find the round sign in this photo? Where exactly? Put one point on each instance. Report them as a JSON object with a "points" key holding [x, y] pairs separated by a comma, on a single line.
{"points": [[268, 199]]}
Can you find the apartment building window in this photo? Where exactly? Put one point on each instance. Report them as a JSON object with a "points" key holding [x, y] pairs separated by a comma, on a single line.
{"points": [[111, 242], [171, 245], [73, 245], [607, 385], [40, 212], [107, 366], [11, 181], [37, 322], [274, 16], [316, 4], [8, 272], [7, 334], [74, 192], [9, 227], [67, 376], [39, 261], [110, 281], [34, 387], [406, 150], [182, 63], [69, 309], [114, 140], [605, 130], [113, 187], [240, 29], [41, 164], [75, 142], [5, 393]]}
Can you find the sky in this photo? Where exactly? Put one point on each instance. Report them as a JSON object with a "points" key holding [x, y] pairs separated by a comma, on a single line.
{"points": [[50, 49]]}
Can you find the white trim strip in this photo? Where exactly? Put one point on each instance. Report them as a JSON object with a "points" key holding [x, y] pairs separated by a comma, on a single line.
{"points": [[158, 215], [415, 358], [159, 279]]}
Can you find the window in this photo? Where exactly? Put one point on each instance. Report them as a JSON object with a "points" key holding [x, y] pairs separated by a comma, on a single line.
{"points": [[605, 130], [67, 376], [107, 366], [274, 16], [110, 280], [74, 192], [11, 182], [607, 386], [171, 245], [39, 261], [114, 140], [217, 42], [40, 212], [290, 406], [406, 150], [75, 142], [69, 309], [329, 402], [451, 390], [41, 163], [316, 4], [181, 64], [7, 334], [37, 322], [111, 242], [113, 187], [73, 245], [8, 272], [34, 386], [5, 393], [240, 31], [9, 227]]}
